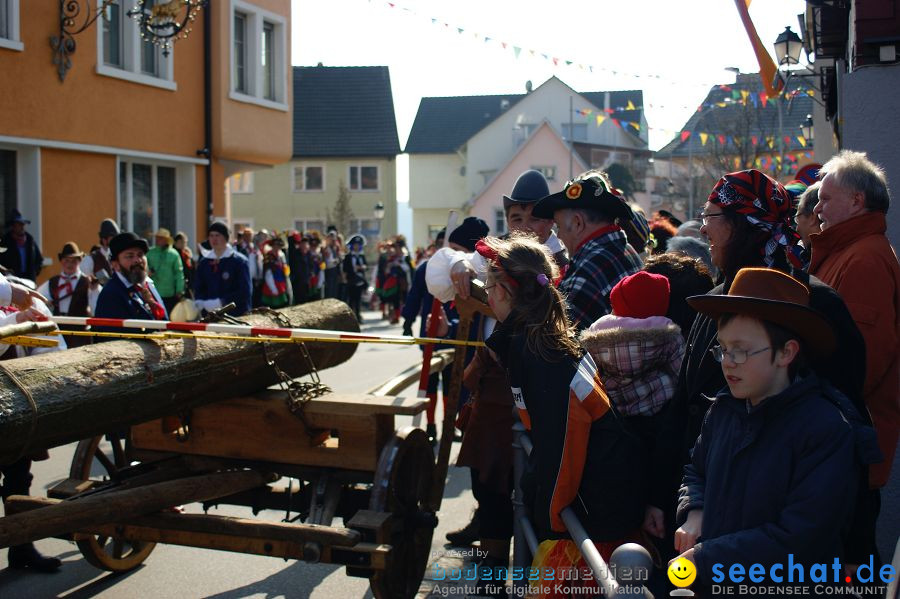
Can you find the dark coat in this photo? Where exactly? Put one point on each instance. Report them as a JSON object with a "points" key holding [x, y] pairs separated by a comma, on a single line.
{"points": [[226, 279], [583, 456], [116, 301], [777, 479], [12, 259], [701, 377]]}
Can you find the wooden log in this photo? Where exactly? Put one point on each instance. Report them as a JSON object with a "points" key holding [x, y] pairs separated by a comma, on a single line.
{"points": [[117, 505], [91, 390]]}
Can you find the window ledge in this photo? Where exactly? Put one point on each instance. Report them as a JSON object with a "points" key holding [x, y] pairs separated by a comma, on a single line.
{"points": [[309, 190], [239, 97], [364, 190], [136, 77], [11, 44]]}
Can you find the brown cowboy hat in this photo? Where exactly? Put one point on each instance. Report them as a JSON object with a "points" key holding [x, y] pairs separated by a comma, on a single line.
{"points": [[772, 295], [70, 250]]}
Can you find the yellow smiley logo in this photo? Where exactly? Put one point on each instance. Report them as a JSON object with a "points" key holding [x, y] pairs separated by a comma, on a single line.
{"points": [[682, 572]]}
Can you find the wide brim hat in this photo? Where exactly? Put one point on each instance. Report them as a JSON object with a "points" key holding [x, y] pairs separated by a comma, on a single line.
{"points": [[529, 188], [70, 250], [357, 239], [126, 241], [774, 296], [163, 232], [16, 217], [589, 192]]}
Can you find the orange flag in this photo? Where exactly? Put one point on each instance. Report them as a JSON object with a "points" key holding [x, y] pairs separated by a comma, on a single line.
{"points": [[767, 67]]}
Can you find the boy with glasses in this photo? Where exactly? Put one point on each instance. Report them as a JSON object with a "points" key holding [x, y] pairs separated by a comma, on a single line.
{"points": [[781, 453]]}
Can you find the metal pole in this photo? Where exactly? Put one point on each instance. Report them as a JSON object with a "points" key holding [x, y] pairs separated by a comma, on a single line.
{"points": [[571, 139], [522, 550], [780, 135]]}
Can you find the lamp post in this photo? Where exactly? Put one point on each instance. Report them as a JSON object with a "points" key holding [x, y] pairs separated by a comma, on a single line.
{"points": [[379, 216], [807, 129]]}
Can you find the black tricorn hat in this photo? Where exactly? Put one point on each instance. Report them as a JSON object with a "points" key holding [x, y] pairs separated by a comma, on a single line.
{"points": [[530, 187], [126, 241], [588, 190]]}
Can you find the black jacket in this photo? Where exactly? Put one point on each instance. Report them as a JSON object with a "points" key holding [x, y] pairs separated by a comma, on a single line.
{"points": [[776, 479], [12, 259], [583, 455]]}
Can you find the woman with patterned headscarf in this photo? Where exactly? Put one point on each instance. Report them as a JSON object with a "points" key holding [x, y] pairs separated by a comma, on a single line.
{"points": [[747, 219]]}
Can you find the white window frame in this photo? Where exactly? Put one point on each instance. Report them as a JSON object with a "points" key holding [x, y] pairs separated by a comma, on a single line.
{"points": [[549, 171], [499, 219], [185, 195], [359, 178], [301, 225], [303, 189], [253, 72], [131, 50], [241, 183], [14, 39]]}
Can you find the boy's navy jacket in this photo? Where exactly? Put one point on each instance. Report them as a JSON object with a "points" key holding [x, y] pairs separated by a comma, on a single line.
{"points": [[776, 479], [583, 455], [228, 280], [115, 301]]}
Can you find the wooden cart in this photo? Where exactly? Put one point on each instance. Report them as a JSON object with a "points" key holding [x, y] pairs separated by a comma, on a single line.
{"points": [[334, 456]]}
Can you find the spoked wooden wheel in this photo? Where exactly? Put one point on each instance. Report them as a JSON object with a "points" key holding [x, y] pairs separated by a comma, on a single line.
{"points": [[101, 458], [402, 485]]}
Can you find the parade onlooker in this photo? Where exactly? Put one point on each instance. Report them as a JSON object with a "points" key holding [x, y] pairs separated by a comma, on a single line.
{"points": [[692, 247], [246, 245], [661, 231], [747, 219], [586, 213], [222, 275], [97, 263], [807, 220], [331, 255], [355, 272], [687, 276], [853, 255], [166, 269], [71, 292], [317, 267], [22, 256], [180, 243], [773, 473], [300, 263], [130, 293], [578, 439], [276, 291]]}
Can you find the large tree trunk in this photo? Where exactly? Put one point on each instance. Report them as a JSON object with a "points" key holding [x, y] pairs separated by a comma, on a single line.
{"points": [[95, 389]]}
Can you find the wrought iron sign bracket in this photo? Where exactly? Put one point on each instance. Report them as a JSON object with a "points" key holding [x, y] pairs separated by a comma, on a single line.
{"points": [[71, 23]]}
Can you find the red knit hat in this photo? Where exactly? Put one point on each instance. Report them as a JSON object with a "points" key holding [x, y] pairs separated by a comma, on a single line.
{"points": [[641, 295]]}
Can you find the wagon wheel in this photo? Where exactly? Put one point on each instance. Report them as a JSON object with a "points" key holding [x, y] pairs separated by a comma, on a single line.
{"points": [[96, 460], [402, 486]]}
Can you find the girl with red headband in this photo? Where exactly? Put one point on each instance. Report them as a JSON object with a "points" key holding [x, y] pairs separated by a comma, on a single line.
{"points": [[582, 455]]}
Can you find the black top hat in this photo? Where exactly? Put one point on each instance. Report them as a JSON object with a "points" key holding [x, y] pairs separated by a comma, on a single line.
{"points": [[126, 241], [588, 190], [530, 187], [16, 217]]}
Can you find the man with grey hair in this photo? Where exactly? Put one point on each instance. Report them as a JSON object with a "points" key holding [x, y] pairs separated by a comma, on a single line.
{"points": [[853, 255], [808, 221]]}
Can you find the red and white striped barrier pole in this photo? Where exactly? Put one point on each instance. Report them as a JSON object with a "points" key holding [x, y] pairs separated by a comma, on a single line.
{"points": [[248, 331]]}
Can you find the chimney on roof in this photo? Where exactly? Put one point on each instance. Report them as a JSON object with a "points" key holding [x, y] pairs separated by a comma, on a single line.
{"points": [[320, 65], [528, 86]]}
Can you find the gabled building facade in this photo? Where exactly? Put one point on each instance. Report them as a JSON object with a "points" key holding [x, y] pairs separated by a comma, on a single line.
{"points": [[344, 134], [129, 133], [458, 145]]}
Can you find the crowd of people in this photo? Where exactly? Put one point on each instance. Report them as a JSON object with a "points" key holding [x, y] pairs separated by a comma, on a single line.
{"points": [[722, 390]]}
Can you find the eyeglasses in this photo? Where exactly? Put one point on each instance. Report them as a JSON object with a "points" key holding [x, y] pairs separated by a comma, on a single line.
{"points": [[738, 356], [705, 217]]}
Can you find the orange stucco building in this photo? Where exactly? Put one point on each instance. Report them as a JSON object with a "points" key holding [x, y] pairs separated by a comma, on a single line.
{"points": [[130, 133]]}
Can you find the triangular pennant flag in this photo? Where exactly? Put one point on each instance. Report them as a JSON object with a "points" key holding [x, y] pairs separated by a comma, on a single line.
{"points": [[737, 162], [755, 140], [637, 126], [735, 94], [758, 162], [787, 140], [721, 139], [391, 4], [802, 140], [684, 135], [503, 44], [555, 61], [590, 68], [770, 141], [744, 94], [764, 98], [516, 51], [755, 100], [487, 39], [725, 88], [545, 56], [617, 122], [703, 138], [810, 92], [630, 106], [721, 104], [460, 30], [568, 63], [608, 110], [600, 119], [738, 140]]}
